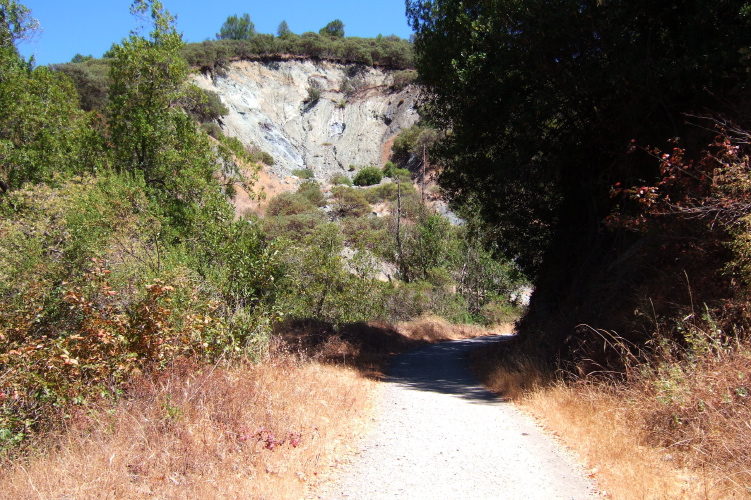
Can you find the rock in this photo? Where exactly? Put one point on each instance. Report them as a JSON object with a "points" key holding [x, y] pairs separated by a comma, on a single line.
{"points": [[267, 108]]}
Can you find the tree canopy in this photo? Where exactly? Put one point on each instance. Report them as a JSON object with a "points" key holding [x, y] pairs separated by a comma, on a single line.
{"points": [[283, 31], [547, 105], [237, 28], [334, 29]]}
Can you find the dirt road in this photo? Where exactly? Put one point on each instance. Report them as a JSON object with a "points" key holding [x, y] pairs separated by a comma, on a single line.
{"points": [[439, 435]]}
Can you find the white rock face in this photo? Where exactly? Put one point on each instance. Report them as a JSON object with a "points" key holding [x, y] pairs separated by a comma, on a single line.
{"points": [[266, 102]]}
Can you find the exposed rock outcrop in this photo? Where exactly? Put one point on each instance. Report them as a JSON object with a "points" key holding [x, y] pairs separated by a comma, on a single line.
{"points": [[351, 123]]}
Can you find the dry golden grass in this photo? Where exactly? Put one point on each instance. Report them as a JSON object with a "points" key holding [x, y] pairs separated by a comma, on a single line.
{"points": [[434, 329], [249, 431], [270, 430], [676, 435]]}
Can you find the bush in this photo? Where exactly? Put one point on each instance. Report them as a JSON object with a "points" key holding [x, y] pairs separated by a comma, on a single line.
{"points": [[392, 170], [314, 94], [389, 51], [350, 202], [289, 204], [389, 192], [204, 106], [402, 79], [212, 129], [311, 190], [293, 227], [368, 176], [388, 168], [303, 173], [340, 179], [366, 232]]}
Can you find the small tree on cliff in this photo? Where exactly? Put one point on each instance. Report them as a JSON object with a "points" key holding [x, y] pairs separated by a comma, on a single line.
{"points": [[237, 28], [334, 29]]}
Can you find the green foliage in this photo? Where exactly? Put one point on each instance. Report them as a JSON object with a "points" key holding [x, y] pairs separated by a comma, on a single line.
{"points": [[391, 52], [237, 28], [80, 58], [539, 154], [403, 79], [202, 105], [322, 284], [293, 226], [91, 79], [388, 168], [413, 142], [154, 139], [393, 171], [213, 130], [314, 94], [147, 77], [390, 192], [340, 179], [95, 289], [16, 23], [311, 190], [368, 176], [289, 204], [303, 173], [349, 202], [333, 29], [369, 233], [40, 124], [283, 31]]}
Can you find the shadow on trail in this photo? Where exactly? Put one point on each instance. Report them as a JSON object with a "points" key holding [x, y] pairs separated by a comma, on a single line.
{"points": [[443, 368]]}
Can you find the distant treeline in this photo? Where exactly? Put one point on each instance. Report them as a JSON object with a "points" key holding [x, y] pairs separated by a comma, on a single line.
{"points": [[388, 51], [91, 76]]}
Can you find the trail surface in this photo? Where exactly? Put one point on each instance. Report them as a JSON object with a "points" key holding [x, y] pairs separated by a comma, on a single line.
{"points": [[439, 435]]}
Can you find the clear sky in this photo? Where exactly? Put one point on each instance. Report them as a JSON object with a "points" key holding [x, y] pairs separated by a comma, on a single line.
{"points": [[91, 26]]}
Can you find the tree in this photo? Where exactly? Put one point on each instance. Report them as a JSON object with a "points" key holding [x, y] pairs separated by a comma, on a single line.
{"points": [[147, 79], [16, 23], [543, 101], [237, 28], [334, 29], [39, 116], [283, 30], [80, 58]]}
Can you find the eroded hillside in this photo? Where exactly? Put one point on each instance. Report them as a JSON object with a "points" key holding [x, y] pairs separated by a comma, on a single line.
{"points": [[317, 115]]}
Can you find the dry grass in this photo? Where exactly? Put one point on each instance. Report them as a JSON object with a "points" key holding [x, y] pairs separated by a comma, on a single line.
{"points": [[270, 430], [434, 329], [249, 431], [681, 430]]}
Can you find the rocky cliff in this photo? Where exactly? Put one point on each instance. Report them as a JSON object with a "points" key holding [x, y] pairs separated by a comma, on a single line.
{"points": [[273, 105]]}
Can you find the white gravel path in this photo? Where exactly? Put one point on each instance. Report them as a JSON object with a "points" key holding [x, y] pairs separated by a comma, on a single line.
{"points": [[439, 435]]}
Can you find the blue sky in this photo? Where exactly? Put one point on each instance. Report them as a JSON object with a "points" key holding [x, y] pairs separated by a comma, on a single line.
{"points": [[91, 26]]}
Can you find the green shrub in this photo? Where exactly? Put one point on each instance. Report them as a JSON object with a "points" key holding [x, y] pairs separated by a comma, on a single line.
{"points": [[303, 173], [402, 79], [294, 226], [340, 179], [349, 202], [368, 176], [389, 51], [389, 192], [311, 190], [289, 204], [212, 129], [392, 170], [314, 94], [366, 232], [388, 168], [202, 105]]}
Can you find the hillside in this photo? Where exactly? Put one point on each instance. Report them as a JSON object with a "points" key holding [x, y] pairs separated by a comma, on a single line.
{"points": [[356, 113]]}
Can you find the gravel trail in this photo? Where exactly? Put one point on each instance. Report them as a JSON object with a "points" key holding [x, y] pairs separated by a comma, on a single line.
{"points": [[439, 435]]}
